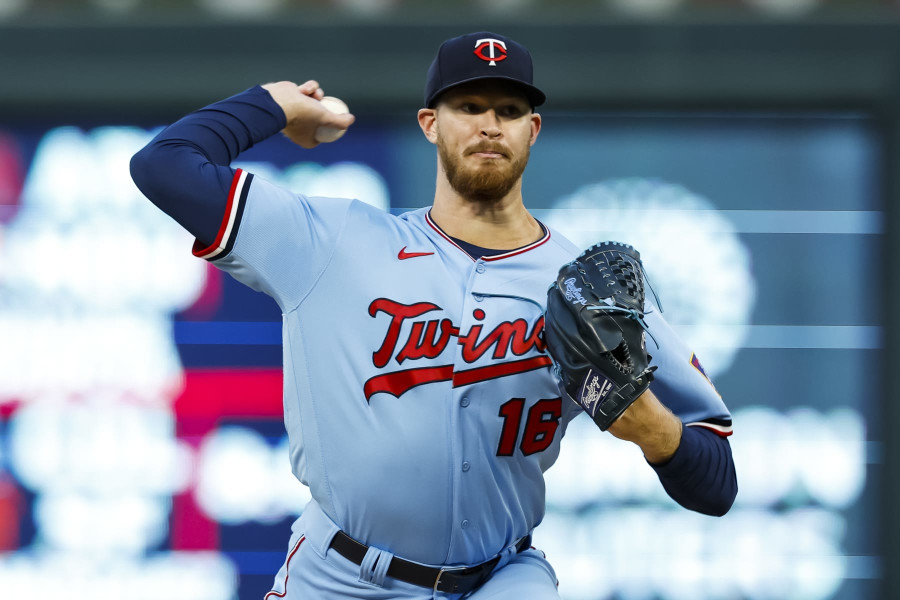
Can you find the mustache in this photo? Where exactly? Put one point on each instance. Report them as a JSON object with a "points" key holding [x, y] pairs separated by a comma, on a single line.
{"points": [[488, 147]]}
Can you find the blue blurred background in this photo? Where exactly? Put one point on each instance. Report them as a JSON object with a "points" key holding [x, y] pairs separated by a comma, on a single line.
{"points": [[747, 148]]}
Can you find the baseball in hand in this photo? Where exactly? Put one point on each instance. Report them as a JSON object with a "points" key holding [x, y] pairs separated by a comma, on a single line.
{"points": [[327, 133]]}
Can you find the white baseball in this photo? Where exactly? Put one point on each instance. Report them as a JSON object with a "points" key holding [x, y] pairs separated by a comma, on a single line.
{"points": [[327, 133]]}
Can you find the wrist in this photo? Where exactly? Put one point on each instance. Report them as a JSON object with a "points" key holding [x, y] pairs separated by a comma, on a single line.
{"points": [[283, 95], [661, 446], [651, 426]]}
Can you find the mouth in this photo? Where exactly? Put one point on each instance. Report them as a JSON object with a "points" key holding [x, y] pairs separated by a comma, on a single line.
{"points": [[487, 152]]}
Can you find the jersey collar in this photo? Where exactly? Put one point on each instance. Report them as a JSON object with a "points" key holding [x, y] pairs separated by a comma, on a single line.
{"points": [[495, 257]]}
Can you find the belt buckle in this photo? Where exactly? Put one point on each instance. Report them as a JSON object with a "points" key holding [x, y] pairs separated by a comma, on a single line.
{"points": [[443, 570]]}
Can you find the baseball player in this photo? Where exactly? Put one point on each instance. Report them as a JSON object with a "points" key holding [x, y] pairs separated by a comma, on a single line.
{"points": [[419, 399]]}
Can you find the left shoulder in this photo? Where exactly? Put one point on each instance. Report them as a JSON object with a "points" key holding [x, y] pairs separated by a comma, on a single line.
{"points": [[560, 245]]}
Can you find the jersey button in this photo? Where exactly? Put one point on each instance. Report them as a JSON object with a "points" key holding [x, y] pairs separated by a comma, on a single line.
{"points": [[465, 465], [464, 524], [478, 297], [479, 268], [464, 402]]}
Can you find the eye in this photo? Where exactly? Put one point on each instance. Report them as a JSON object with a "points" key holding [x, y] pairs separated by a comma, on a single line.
{"points": [[469, 108], [511, 111]]}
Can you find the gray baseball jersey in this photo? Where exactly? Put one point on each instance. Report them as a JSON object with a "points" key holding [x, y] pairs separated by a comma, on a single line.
{"points": [[418, 398]]}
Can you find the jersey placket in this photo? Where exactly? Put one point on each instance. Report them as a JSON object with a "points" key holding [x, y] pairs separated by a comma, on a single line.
{"points": [[466, 400]]}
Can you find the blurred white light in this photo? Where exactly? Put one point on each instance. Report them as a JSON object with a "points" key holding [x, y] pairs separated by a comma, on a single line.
{"points": [[100, 448], [267, 491], [53, 350], [9, 8], [785, 8], [646, 8], [78, 576], [78, 173], [831, 459], [812, 460], [117, 5], [340, 180], [367, 7], [231, 455], [87, 234], [625, 476], [103, 525], [816, 574], [796, 458], [679, 555], [677, 232], [763, 446], [91, 273], [242, 8], [351, 180], [102, 262], [504, 6]]}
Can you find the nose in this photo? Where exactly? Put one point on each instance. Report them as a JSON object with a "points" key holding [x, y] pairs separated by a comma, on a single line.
{"points": [[490, 125]]}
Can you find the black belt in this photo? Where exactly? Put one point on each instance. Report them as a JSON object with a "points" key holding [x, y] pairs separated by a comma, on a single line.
{"points": [[450, 580]]}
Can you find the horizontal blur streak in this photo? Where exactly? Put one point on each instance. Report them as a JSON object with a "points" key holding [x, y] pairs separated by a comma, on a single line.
{"points": [[855, 222], [228, 332], [834, 337]]}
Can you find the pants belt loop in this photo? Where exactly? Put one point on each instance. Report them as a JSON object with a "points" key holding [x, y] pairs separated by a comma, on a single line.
{"points": [[374, 566]]}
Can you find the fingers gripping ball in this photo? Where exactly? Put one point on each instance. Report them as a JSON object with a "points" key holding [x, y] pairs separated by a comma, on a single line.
{"points": [[595, 331], [327, 133]]}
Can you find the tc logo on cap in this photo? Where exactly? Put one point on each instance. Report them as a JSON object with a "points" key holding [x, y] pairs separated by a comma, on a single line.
{"points": [[496, 50]]}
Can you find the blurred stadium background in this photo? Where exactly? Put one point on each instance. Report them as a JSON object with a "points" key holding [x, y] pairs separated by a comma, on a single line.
{"points": [[142, 453]]}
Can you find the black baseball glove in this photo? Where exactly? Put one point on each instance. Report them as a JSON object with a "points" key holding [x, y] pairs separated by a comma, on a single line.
{"points": [[594, 330]]}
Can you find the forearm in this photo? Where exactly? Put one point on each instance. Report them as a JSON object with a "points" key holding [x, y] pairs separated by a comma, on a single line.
{"points": [[184, 170], [650, 425]]}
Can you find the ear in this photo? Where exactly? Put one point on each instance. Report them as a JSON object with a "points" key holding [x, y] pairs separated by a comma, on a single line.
{"points": [[428, 122], [535, 127]]}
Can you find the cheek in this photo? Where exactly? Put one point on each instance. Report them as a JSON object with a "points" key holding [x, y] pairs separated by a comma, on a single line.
{"points": [[525, 139], [445, 138], [452, 130]]}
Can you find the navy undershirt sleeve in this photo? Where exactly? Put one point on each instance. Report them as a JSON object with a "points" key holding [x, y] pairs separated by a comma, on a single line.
{"points": [[184, 170], [700, 476]]}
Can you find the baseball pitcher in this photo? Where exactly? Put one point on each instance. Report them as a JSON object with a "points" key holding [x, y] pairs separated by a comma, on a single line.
{"points": [[429, 376]]}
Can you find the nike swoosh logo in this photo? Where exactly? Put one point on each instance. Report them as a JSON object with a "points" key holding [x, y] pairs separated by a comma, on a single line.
{"points": [[403, 254]]}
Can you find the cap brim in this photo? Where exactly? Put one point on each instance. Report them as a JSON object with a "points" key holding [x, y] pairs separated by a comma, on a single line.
{"points": [[535, 96]]}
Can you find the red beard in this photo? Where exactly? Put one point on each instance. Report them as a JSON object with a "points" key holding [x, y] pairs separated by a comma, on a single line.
{"points": [[488, 181]]}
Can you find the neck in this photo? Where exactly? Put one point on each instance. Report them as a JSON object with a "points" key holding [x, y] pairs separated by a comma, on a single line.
{"points": [[499, 224]]}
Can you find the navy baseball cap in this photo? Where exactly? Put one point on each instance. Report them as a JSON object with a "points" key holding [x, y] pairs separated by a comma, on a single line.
{"points": [[482, 55]]}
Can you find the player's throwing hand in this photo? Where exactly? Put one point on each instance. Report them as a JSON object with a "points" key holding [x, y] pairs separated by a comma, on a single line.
{"points": [[303, 111]]}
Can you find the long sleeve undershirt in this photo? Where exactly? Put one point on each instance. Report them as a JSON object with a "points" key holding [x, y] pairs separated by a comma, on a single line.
{"points": [[185, 171], [700, 476]]}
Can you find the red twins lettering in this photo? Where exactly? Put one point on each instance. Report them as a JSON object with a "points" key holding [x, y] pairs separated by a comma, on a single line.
{"points": [[424, 345], [429, 338], [399, 312], [507, 336]]}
